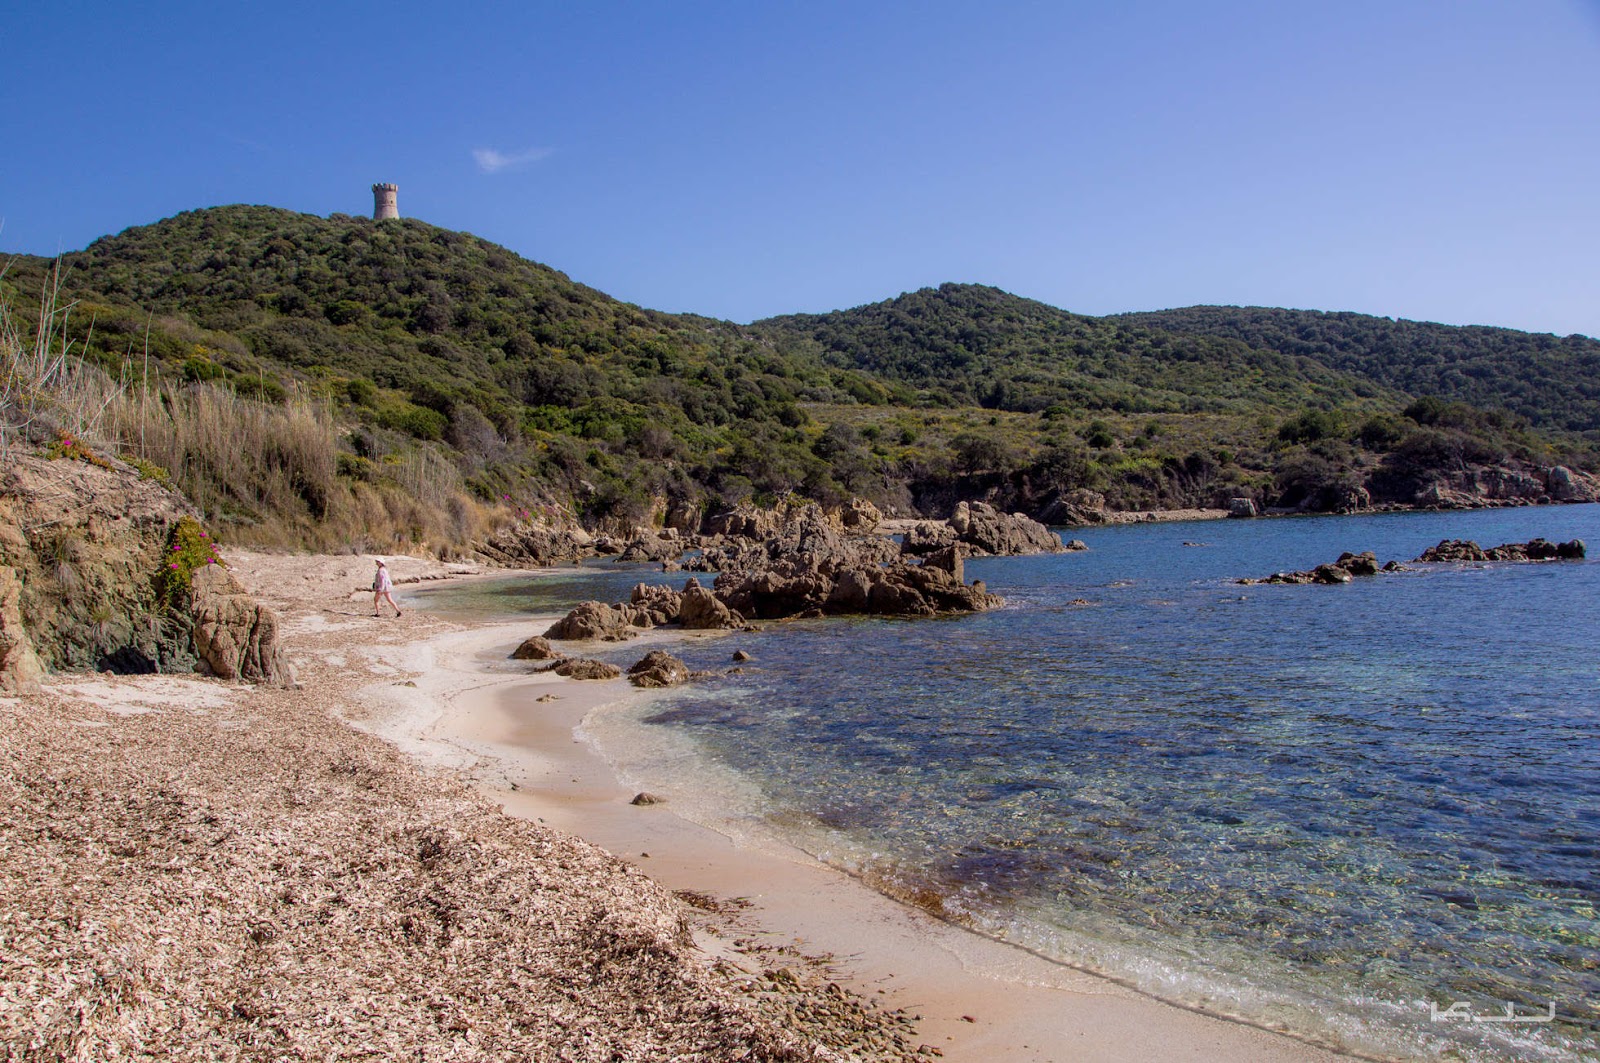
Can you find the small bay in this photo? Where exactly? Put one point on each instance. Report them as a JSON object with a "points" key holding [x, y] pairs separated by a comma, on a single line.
{"points": [[1333, 809]]}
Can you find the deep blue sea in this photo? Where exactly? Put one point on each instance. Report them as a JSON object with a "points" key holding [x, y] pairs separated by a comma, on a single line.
{"points": [[1338, 810]]}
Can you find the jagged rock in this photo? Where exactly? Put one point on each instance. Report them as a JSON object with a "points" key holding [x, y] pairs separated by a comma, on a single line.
{"points": [[989, 531], [596, 620], [535, 545], [1075, 545], [662, 603], [1362, 564], [234, 634], [1340, 571], [644, 798], [1241, 507], [950, 560], [1533, 550], [536, 648], [860, 515], [20, 669], [658, 669], [1081, 506], [650, 548], [701, 609], [587, 668], [925, 538], [741, 655]]}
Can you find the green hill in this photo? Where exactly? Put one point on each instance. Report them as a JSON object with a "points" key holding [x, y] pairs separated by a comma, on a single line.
{"points": [[328, 381], [1548, 380], [967, 344]]}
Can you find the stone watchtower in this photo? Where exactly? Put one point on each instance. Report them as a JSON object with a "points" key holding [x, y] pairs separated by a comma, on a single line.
{"points": [[385, 201]]}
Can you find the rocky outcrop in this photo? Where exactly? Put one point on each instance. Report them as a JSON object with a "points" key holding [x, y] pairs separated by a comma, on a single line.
{"points": [[587, 668], [662, 603], [1077, 507], [658, 669], [989, 531], [235, 636], [597, 620], [1241, 507], [1501, 485], [1341, 571], [526, 544], [19, 665], [653, 547], [89, 546], [859, 515], [1533, 550], [984, 530], [701, 609]]}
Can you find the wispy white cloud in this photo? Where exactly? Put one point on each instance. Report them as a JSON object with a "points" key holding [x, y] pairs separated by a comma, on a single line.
{"points": [[490, 160]]}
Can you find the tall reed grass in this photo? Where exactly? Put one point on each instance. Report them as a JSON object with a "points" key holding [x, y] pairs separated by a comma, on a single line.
{"points": [[262, 474]]}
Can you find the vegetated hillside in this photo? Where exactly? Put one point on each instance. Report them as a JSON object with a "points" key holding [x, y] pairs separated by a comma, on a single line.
{"points": [[341, 382], [1548, 380], [968, 345], [542, 388]]}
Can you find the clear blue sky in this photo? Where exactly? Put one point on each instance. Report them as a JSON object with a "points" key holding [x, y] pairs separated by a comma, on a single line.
{"points": [[1435, 160]]}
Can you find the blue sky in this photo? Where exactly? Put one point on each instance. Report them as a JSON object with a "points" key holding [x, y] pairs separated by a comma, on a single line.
{"points": [[1431, 160]]}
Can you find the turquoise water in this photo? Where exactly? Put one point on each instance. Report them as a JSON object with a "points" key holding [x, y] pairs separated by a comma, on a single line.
{"points": [[1336, 810]]}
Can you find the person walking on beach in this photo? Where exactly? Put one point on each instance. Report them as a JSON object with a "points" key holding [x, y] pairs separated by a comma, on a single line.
{"points": [[382, 591]]}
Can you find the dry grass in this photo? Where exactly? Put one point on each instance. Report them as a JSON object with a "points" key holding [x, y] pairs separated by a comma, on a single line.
{"points": [[263, 474]]}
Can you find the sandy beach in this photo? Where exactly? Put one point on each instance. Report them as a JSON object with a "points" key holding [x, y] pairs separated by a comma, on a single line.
{"points": [[444, 694]]}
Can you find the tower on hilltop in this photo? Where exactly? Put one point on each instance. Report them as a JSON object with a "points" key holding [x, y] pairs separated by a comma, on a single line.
{"points": [[385, 201]]}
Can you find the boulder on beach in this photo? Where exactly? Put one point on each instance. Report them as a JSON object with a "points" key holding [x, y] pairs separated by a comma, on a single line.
{"points": [[658, 669], [662, 603], [534, 648], [587, 668], [597, 620]]}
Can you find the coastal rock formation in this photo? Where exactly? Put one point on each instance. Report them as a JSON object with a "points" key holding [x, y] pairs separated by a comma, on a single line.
{"points": [[985, 531], [662, 603], [88, 544], [1533, 550], [534, 648], [19, 665], [1241, 507], [989, 531], [534, 545], [587, 668], [700, 609], [1512, 483], [597, 620], [658, 669], [652, 547], [859, 515], [1077, 507], [235, 636], [1340, 571]]}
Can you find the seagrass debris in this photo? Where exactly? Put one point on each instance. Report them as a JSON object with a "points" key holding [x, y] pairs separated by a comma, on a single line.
{"points": [[258, 881]]}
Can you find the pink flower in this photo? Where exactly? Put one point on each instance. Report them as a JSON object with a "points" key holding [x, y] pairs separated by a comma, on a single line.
{"points": [[173, 565]]}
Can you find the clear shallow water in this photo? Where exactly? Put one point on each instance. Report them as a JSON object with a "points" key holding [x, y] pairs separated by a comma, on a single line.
{"points": [[1323, 808]]}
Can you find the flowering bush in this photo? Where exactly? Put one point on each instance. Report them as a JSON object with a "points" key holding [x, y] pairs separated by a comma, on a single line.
{"points": [[189, 547], [65, 446]]}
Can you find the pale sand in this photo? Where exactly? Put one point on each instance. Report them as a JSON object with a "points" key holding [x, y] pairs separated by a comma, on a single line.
{"points": [[445, 693]]}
